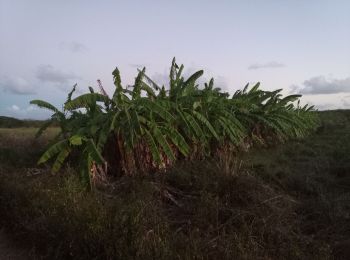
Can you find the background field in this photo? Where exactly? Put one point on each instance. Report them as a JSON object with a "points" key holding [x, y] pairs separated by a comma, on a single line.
{"points": [[291, 201]]}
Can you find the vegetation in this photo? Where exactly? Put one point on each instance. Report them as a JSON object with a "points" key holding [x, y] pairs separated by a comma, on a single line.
{"points": [[10, 122], [287, 201], [216, 201], [144, 127]]}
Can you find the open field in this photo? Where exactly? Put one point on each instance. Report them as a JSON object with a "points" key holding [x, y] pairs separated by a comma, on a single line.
{"points": [[20, 147], [289, 201]]}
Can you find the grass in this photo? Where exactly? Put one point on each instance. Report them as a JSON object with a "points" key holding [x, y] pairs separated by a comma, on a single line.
{"points": [[290, 201], [18, 147], [10, 122]]}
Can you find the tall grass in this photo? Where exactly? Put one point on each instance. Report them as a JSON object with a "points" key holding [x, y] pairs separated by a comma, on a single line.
{"points": [[289, 201]]}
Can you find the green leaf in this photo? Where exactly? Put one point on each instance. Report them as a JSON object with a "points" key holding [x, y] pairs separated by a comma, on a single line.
{"points": [[228, 130], [148, 89], [116, 78], [76, 140], [155, 107], [152, 146], [44, 104], [201, 118], [85, 101], [245, 88], [69, 98], [163, 143], [53, 150], [192, 79], [136, 93], [287, 99], [150, 81], [254, 88], [94, 153], [60, 159], [114, 121], [177, 139], [197, 130]]}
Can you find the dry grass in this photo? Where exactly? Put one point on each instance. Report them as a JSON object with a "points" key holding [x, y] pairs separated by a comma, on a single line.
{"points": [[286, 202], [20, 149], [17, 137]]}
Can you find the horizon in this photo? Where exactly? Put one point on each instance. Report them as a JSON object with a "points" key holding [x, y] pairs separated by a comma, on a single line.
{"points": [[302, 47]]}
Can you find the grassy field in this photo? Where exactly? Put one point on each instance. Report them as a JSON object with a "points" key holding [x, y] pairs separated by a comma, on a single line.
{"points": [[19, 147], [291, 201]]}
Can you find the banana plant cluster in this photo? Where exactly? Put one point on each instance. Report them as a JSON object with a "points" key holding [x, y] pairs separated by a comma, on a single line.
{"points": [[146, 127]]}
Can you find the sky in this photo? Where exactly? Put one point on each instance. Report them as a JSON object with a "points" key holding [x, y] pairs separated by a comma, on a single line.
{"points": [[302, 46]]}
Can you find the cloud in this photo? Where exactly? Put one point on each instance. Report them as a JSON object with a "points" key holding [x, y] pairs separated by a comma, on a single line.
{"points": [[29, 112], [138, 66], [294, 89], [327, 106], [47, 73], [17, 86], [161, 78], [267, 65], [74, 47], [322, 85], [345, 102], [219, 81], [15, 108]]}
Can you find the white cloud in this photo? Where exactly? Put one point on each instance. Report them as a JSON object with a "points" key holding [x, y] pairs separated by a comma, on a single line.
{"points": [[29, 112], [47, 73], [327, 106], [17, 85], [322, 85], [269, 65], [346, 102], [73, 46], [15, 108]]}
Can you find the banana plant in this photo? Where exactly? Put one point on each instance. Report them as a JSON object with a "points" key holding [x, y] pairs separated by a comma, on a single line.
{"points": [[146, 127]]}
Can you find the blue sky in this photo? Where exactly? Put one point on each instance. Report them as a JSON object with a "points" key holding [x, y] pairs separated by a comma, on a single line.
{"points": [[298, 45]]}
